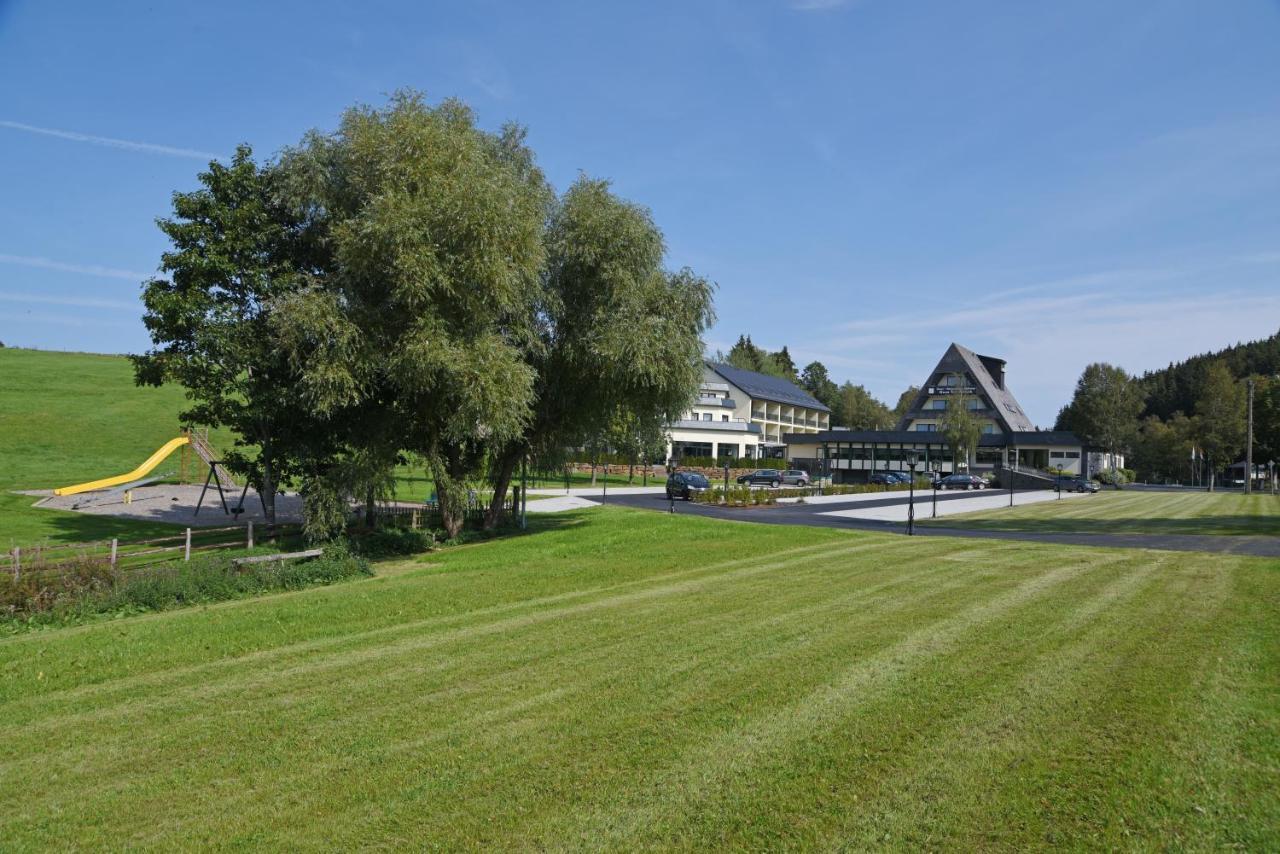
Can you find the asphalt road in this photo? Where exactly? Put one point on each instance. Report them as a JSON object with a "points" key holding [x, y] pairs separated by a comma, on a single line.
{"points": [[813, 515]]}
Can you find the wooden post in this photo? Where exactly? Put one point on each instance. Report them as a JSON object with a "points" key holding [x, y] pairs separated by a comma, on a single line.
{"points": [[17, 563], [114, 545], [250, 534], [186, 555], [413, 519]]}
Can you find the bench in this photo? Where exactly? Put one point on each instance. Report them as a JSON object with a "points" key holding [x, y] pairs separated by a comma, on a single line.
{"points": [[303, 555]]}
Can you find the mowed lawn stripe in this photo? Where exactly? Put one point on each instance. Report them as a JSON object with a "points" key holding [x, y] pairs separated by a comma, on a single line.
{"points": [[538, 742], [1134, 511], [384, 643], [606, 690], [878, 671], [505, 661], [940, 786]]}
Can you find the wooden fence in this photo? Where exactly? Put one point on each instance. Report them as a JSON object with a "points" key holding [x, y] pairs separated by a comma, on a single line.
{"points": [[135, 554]]}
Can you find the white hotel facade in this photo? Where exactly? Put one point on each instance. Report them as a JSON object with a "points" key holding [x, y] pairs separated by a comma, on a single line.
{"points": [[744, 415]]}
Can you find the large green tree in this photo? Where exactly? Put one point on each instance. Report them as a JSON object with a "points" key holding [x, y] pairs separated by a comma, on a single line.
{"points": [[1220, 417], [414, 325], [1162, 449], [746, 355], [905, 400], [1105, 408], [236, 251], [817, 381], [617, 338], [857, 409]]}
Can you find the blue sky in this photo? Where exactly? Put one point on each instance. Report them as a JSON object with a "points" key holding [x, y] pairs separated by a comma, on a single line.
{"points": [[1053, 183]]}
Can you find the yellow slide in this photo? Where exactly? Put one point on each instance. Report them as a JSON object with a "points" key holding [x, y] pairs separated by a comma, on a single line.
{"points": [[152, 461]]}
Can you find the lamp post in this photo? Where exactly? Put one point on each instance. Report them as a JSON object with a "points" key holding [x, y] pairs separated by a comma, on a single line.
{"points": [[912, 458], [726, 482], [936, 465], [1271, 475], [671, 498], [1013, 471]]}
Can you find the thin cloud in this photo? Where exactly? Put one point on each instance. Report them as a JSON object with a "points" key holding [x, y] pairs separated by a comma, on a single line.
{"points": [[78, 302], [81, 269], [817, 5], [111, 142]]}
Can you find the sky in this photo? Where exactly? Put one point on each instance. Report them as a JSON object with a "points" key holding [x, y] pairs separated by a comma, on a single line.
{"points": [[866, 181]]}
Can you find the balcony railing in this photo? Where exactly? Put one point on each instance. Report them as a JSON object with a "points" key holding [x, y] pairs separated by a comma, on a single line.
{"points": [[737, 425]]}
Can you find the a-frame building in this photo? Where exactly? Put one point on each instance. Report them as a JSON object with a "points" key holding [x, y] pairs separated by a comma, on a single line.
{"points": [[976, 382], [1009, 445]]}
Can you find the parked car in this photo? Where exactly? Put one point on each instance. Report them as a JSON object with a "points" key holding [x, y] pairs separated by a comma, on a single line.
{"points": [[883, 478], [963, 481], [796, 476], [686, 484], [762, 477], [1076, 484]]}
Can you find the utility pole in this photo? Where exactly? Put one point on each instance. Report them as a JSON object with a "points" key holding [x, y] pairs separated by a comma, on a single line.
{"points": [[1248, 453]]}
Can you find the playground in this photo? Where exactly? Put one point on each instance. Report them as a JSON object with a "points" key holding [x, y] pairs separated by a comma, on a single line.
{"points": [[174, 504]]}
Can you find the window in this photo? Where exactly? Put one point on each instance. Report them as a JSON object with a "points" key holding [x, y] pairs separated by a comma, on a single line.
{"points": [[926, 428], [988, 428], [706, 416], [937, 403], [1064, 455], [973, 403], [724, 417]]}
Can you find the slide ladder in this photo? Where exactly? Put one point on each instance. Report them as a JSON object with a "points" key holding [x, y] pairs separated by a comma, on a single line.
{"points": [[200, 444]]}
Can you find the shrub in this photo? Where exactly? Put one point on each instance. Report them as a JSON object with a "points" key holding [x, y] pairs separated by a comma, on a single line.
{"points": [[85, 588], [389, 542]]}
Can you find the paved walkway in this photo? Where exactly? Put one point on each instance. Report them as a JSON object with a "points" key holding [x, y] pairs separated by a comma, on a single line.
{"points": [[597, 491], [820, 515]]}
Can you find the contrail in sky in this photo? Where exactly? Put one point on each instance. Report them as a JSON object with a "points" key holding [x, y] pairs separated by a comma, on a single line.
{"points": [[110, 142]]}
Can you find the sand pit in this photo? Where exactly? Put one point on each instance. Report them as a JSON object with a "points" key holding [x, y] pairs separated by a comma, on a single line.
{"points": [[176, 505]]}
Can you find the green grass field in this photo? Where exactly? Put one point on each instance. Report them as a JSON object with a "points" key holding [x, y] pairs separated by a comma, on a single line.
{"points": [[1134, 511], [619, 679]]}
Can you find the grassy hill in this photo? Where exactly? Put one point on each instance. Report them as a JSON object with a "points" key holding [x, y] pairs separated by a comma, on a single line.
{"points": [[71, 417]]}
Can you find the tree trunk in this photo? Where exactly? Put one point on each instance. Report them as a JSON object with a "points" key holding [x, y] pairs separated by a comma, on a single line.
{"points": [[593, 472], [449, 473], [268, 493], [501, 485], [370, 509], [631, 470]]}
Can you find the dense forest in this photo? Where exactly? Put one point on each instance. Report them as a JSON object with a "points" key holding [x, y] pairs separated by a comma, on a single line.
{"points": [[1177, 387]]}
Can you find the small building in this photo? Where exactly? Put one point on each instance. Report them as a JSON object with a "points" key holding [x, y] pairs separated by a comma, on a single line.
{"points": [[742, 414], [1007, 438]]}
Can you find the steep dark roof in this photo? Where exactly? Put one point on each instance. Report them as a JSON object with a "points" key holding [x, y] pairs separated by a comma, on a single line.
{"points": [[765, 387], [1008, 413]]}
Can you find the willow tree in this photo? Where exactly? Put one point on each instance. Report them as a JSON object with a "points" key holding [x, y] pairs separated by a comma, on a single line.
{"points": [[412, 332], [617, 336]]}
